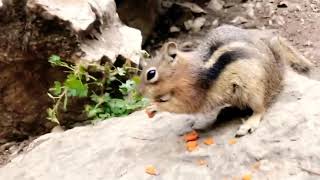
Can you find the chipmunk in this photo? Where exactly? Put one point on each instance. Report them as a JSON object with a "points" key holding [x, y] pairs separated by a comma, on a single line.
{"points": [[232, 67]]}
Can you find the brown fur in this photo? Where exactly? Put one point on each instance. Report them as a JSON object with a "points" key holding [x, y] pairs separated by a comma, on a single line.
{"points": [[252, 81], [179, 82]]}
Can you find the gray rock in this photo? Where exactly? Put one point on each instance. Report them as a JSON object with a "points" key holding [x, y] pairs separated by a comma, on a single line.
{"points": [[285, 146], [110, 39], [239, 20], [174, 29], [196, 24], [250, 7], [216, 5], [192, 6]]}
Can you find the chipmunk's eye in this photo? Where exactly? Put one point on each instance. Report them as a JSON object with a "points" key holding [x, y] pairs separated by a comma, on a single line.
{"points": [[152, 75]]}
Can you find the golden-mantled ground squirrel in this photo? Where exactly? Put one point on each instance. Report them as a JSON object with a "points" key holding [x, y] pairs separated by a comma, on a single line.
{"points": [[232, 67]]}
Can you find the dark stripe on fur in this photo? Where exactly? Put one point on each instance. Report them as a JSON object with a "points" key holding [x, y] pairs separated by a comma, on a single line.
{"points": [[211, 74], [209, 48]]}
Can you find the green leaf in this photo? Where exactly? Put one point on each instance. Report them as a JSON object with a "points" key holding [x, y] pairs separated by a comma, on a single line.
{"points": [[127, 87], [117, 106], [75, 87], [139, 103], [121, 71], [82, 70], [133, 106], [56, 89], [95, 98], [104, 115], [111, 78], [55, 60], [100, 99], [106, 97], [143, 102], [94, 112]]}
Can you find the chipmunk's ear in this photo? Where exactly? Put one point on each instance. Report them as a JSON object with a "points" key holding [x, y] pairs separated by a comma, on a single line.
{"points": [[171, 50]]}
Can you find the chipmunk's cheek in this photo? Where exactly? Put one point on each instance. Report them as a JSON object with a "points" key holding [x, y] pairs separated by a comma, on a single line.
{"points": [[165, 97], [141, 89], [148, 93]]}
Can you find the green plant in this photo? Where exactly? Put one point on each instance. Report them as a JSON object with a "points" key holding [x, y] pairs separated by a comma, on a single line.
{"points": [[111, 91]]}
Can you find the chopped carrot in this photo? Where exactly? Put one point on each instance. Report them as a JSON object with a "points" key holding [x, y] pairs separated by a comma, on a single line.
{"points": [[191, 145], [202, 162], [191, 136], [209, 141], [232, 141], [151, 170], [246, 177]]}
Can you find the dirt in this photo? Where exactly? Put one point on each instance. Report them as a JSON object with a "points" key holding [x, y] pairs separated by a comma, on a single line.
{"points": [[11, 149], [296, 20]]}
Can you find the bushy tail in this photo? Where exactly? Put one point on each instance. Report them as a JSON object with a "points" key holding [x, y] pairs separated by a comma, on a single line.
{"points": [[288, 54]]}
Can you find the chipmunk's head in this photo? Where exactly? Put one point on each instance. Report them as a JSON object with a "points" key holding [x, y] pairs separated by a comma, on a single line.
{"points": [[169, 79]]}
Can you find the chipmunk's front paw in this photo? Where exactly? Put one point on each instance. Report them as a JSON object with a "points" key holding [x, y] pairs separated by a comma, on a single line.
{"points": [[246, 128]]}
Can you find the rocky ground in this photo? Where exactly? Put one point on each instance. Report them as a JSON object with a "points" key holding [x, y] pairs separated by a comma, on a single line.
{"points": [[296, 20], [284, 147]]}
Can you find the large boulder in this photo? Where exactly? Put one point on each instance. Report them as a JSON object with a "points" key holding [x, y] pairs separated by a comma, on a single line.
{"points": [[285, 146]]}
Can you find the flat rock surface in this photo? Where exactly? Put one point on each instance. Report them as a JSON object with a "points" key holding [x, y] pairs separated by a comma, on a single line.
{"points": [[285, 146]]}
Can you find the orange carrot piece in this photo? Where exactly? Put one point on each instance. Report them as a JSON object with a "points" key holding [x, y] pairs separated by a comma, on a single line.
{"points": [[209, 141], [191, 145], [191, 136], [202, 162], [232, 141], [151, 170], [246, 177]]}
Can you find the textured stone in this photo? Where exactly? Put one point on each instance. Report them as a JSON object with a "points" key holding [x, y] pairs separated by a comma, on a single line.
{"points": [[98, 18]]}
